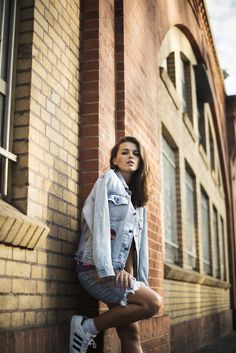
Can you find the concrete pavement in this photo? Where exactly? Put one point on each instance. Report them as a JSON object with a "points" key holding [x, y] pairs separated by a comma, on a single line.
{"points": [[225, 344]]}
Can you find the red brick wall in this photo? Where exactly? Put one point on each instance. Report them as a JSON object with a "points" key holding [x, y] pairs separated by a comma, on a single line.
{"points": [[97, 90], [117, 98], [141, 111]]}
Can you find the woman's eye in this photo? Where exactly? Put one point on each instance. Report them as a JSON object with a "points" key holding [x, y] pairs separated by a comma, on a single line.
{"points": [[136, 154]]}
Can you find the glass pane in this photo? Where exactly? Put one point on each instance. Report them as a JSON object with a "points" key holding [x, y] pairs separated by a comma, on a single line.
{"points": [[222, 239], [183, 86], [1, 174], [201, 126], [2, 109], [170, 205], [171, 67], [171, 253], [4, 38], [1, 12], [212, 149], [190, 220], [205, 230], [216, 244]]}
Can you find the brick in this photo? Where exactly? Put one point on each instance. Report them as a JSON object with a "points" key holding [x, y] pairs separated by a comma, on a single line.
{"points": [[9, 302], [18, 285], [29, 302], [19, 254], [39, 70], [40, 318], [54, 136], [30, 318], [36, 271], [2, 267], [5, 319], [5, 285], [17, 319], [42, 258], [17, 269]]}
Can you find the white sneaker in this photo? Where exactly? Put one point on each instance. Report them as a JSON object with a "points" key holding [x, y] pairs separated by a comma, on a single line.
{"points": [[79, 340]]}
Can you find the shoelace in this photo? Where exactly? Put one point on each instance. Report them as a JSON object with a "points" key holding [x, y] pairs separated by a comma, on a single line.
{"points": [[86, 343]]}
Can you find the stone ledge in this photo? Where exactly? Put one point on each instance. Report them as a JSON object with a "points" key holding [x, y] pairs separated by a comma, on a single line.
{"points": [[177, 273], [17, 229]]}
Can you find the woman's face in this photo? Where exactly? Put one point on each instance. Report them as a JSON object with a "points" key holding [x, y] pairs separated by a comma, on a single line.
{"points": [[127, 159]]}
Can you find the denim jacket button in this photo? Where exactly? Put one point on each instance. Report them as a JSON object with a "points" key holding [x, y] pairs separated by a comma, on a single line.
{"points": [[130, 231]]}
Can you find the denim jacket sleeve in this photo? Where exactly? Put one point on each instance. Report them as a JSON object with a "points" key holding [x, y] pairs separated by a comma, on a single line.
{"points": [[98, 221]]}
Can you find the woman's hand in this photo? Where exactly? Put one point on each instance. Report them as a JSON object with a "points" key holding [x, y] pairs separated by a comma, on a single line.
{"points": [[124, 279]]}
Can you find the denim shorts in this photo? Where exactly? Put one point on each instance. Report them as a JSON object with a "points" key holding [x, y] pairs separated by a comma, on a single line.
{"points": [[106, 289]]}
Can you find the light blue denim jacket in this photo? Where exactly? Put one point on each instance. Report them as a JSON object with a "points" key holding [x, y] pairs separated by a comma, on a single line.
{"points": [[109, 224]]}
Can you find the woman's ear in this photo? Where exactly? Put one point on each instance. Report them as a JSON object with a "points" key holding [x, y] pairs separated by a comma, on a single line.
{"points": [[114, 161]]}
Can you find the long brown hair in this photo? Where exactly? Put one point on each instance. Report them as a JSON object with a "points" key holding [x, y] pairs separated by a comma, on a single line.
{"points": [[141, 179]]}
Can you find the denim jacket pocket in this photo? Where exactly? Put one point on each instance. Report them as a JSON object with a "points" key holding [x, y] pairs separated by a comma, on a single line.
{"points": [[117, 206]]}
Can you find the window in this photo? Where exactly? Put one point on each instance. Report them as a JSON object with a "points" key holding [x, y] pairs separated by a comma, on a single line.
{"points": [[170, 203], [205, 232], [212, 149], [190, 211], [171, 67], [216, 263], [202, 126], [7, 28], [222, 249], [186, 87]]}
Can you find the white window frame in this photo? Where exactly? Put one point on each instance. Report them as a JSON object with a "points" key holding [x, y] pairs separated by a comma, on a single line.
{"points": [[6, 91], [173, 242], [205, 232], [190, 187], [216, 252]]}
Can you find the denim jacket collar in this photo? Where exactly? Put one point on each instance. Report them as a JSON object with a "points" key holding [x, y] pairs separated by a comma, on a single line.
{"points": [[122, 179]]}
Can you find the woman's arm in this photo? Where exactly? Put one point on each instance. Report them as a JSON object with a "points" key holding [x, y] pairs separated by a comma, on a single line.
{"points": [[125, 278]]}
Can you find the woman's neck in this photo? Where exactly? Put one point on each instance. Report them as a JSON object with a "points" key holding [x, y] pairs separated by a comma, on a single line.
{"points": [[127, 176]]}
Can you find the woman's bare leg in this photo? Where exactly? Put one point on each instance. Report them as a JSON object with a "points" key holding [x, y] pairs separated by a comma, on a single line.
{"points": [[130, 338], [143, 304]]}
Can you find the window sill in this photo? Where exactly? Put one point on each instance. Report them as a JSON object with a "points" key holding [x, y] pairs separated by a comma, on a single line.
{"points": [[177, 273], [17, 229], [170, 87]]}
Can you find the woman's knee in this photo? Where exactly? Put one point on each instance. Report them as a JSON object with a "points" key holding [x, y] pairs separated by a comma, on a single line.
{"points": [[153, 304], [148, 301]]}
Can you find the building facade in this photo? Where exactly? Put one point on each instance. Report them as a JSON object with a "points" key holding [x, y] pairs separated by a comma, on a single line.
{"points": [[76, 75]]}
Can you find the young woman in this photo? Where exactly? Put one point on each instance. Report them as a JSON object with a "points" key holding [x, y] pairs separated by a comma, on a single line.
{"points": [[112, 256]]}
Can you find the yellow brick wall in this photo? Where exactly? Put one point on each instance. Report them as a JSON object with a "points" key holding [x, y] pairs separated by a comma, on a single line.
{"points": [[187, 301], [39, 286]]}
